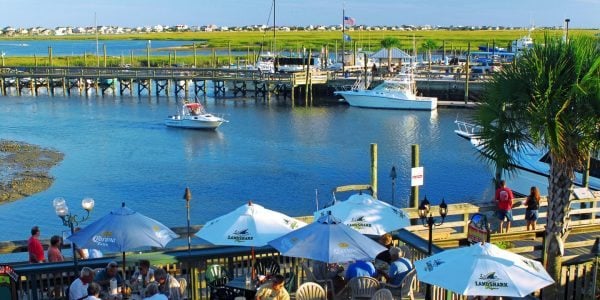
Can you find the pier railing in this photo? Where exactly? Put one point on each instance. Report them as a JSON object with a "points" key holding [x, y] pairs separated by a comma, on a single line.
{"points": [[49, 280]]}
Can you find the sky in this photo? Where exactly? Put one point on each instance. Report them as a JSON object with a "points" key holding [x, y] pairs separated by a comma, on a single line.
{"points": [[134, 13]]}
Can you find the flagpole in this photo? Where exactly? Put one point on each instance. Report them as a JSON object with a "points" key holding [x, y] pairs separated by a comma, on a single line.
{"points": [[343, 36]]}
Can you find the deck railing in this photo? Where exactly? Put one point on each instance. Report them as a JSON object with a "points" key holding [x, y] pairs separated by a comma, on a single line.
{"points": [[50, 280]]}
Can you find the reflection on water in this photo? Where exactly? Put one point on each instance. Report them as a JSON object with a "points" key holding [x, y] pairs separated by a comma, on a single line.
{"points": [[118, 149]]}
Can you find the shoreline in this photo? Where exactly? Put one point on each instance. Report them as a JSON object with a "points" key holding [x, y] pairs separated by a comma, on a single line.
{"points": [[25, 170]]}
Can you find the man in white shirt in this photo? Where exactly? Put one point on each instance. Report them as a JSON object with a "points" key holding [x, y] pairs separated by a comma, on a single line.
{"points": [[78, 290]]}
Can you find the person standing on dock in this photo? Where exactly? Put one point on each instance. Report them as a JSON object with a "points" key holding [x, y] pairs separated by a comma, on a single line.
{"points": [[504, 201], [532, 203]]}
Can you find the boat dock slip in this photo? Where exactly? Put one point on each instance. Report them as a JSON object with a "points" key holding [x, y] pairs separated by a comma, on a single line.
{"points": [[199, 81], [184, 80]]}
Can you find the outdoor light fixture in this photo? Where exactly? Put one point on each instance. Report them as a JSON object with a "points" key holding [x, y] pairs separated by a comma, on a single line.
{"points": [[429, 221], [188, 197], [71, 220]]}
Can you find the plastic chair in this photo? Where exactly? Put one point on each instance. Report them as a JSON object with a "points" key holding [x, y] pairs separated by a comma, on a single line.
{"points": [[327, 284], [183, 287], [404, 289], [310, 291], [290, 282], [363, 287], [383, 294], [266, 266], [216, 277]]}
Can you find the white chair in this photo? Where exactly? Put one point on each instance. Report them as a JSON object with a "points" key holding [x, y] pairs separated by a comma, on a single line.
{"points": [[363, 287], [404, 289], [310, 291], [383, 294]]}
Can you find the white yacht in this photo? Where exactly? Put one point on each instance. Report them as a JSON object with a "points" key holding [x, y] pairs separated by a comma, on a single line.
{"points": [[399, 92]]}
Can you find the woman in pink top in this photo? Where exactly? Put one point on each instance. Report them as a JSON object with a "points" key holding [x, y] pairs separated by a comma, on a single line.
{"points": [[54, 253]]}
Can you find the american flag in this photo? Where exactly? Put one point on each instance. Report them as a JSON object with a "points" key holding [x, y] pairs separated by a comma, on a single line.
{"points": [[349, 21]]}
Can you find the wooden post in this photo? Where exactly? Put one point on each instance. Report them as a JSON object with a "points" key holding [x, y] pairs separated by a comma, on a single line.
{"points": [[35, 59], [307, 80], [67, 61], [467, 73], [195, 57], [104, 53], [374, 169], [175, 56], [148, 54], [214, 58], [50, 55], [131, 57], [444, 51], [85, 59], [414, 190], [229, 51], [170, 59]]}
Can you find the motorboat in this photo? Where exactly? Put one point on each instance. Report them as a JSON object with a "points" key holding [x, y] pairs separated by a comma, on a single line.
{"points": [[193, 116], [399, 92], [532, 163]]}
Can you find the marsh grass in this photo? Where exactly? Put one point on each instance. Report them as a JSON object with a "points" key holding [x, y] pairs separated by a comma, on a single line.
{"points": [[294, 41]]}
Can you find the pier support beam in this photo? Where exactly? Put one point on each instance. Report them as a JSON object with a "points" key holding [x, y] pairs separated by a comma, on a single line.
{"points": [[199, 86], [219, 88]]}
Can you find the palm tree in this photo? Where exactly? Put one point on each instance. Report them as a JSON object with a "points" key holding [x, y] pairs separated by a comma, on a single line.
{"points": [[550, 97], [429, 45], [389, 43]]}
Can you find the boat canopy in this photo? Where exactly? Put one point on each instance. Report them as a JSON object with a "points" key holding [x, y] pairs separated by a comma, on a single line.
{"points": [[192, 105]]}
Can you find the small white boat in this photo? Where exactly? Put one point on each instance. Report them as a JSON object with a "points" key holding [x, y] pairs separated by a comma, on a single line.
{"points": [[193, 116], [398, 92]]}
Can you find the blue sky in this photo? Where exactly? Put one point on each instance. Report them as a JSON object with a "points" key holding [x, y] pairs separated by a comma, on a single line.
{"points": [[132, 13]]}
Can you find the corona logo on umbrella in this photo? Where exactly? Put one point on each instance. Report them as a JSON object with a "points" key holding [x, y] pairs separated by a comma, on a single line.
{"points": [[103, 239], [292, 223]]}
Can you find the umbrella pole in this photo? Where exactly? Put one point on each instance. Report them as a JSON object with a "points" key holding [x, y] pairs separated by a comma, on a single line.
{"points": [[123, 273], [252, 273]]}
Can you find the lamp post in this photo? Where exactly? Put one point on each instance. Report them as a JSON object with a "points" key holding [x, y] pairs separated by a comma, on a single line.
{"points": [[188, 196], [429, 221], [71, 220], [567, 30]]}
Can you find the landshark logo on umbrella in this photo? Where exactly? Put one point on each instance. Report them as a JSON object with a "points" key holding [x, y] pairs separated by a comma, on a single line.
{"points": [[104, 238], [359, 222], [490, 281], [240, 235]]}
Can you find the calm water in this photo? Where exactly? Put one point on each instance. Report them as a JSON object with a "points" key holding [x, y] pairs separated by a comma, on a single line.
{"points": [[118, 150]]}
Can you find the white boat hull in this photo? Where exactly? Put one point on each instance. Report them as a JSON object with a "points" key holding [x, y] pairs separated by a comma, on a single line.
{"points": [[372, 99], [194, 122]]}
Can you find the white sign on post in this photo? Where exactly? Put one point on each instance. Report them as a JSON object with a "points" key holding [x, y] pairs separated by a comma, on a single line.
{"points": [[416, 176]]}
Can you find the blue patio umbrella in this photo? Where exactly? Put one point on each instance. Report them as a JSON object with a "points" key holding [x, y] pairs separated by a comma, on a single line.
{"points": [[327, 240], [123, 230]]}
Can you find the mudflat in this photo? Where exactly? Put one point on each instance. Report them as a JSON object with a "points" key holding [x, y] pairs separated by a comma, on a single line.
{"points": [[24, 169]]}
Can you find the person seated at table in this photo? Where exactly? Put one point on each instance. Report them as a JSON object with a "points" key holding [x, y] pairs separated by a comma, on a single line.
{"points": [[93, 291], [399, 267], [144, 272], [153, 293], [273, 289], [78, 288], [104, 276], [360, 268], [386, 241], [168, 285], [333, 272]]}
